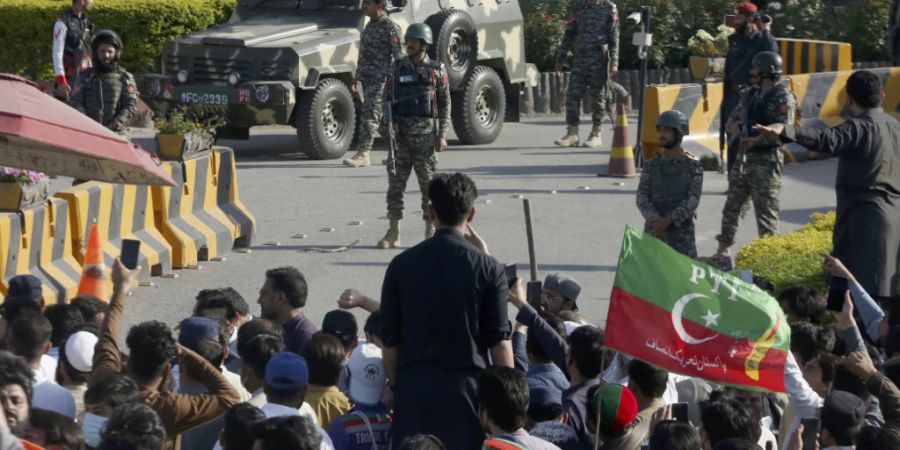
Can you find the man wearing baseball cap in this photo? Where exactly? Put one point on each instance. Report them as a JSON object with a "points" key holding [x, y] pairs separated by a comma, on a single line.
{"points": [[560, 293], [368, 424], [287, 379]]}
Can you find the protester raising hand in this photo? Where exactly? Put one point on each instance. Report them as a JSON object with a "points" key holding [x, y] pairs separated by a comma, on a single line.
{"points": [[859, 364]]}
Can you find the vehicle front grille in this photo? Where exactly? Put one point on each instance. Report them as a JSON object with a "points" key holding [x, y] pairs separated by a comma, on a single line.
{"points": [[274, 70], [216, 70], [171, 65]]}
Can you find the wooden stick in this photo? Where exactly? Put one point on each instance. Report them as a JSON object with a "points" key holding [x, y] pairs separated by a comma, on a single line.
{"points": [[529, 232]]}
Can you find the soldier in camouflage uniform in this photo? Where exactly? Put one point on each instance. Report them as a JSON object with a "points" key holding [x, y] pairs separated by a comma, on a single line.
{"points": [[756, 173], [379, 47], [592, 35], [418, 94], [106, 92], [669, 191]]}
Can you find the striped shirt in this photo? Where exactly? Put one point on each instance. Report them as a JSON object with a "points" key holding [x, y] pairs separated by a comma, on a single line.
{"points": [[350, 431]]}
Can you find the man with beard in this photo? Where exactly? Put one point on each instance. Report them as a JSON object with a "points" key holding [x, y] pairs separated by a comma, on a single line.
{"points": [[71, 33], [281, 300], [15, 390], [670, 187], [106, 92], [751, 37], [757, 172]]}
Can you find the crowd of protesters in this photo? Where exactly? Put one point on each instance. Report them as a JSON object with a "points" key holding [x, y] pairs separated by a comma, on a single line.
{"points": [[436, 365]]}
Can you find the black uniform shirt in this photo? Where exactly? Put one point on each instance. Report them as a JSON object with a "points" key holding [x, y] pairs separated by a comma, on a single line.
{"points": [[443, 303]]}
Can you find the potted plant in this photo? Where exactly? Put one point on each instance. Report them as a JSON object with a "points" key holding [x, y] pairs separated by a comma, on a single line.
{"points": [[184, 132], [21, 188], [707, 58]]}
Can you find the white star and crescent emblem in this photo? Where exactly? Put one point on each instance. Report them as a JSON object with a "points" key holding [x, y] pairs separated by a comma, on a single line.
{"points": [[677, 320]]}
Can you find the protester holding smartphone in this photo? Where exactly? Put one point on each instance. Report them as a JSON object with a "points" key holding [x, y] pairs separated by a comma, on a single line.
{"points": [[871, 314]]}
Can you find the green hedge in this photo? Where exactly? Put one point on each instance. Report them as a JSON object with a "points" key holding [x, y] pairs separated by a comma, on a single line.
{"points": [[791, 259], [145, 26], [863, 23]]}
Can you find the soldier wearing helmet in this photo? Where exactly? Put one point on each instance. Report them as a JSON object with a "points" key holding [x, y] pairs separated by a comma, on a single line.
{"points": [[751, 36], [418, 94], [106, 92], [669, 191], [756, 173]]}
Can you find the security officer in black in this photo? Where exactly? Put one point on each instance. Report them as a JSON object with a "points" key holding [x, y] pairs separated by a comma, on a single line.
{"points": [[751, 37], [106, 92]]}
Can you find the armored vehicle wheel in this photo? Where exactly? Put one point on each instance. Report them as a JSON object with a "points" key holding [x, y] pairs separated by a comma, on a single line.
{"points": [[326, 120], [456, 44], [478, 110]]}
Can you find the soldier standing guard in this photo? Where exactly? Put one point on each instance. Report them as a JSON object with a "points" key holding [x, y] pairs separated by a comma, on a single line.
{"points": [[592, 35], [71, 51], [379, 47], [756, 174], [671, 183], [418, 94], [106, 92]]}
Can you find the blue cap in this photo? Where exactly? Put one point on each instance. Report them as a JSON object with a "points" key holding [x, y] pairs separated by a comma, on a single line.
{"points": [[24, 287], [287, 371], [195, 329], [544, 395]]}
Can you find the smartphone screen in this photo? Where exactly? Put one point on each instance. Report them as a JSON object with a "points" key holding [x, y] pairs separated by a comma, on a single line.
{"points": [[836, 289], [130, 251], [510, 270], [680, 412], [810, 433], [534, 293]]}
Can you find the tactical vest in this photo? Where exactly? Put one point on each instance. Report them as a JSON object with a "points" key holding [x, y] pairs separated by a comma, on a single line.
{"points": [[102, 91], [759, 113], [78, 36], [416, 90], [669, 185]]}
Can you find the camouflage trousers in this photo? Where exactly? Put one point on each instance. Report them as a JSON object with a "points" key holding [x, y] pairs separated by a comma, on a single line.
{"points": [[680, 237], [370, 113], [586, 78], [414, 152], [761, 184]]}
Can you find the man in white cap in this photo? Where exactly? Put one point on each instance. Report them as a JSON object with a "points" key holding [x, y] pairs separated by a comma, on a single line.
{"points": [[560, 293], [368, 424], [76, 360]]}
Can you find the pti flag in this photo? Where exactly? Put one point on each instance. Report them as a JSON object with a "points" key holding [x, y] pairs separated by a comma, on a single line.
{"points": [[690, 318]]}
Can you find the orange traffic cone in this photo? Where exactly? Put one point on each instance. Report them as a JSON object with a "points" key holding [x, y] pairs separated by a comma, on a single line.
{"points": [[94, 280], [621, 157]]}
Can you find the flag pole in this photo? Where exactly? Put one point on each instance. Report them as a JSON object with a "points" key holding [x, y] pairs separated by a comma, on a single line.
{"points": [[529, 232]]}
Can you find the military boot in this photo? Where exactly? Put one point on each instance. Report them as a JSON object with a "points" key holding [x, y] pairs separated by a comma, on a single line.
{"points": [[570, 139], [594, 140], [360, 159], [429, 229], [392, 238]]}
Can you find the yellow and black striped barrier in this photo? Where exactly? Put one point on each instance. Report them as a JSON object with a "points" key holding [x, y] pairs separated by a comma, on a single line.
{"points": [[121, 211], [228, 197], [821, 101], [38, 240], [809, 56]]}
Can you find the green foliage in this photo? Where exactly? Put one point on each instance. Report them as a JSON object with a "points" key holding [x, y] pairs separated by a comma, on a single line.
{"points": [[145, 27], [709, 46], [791, 259], [184, 120], [543, 33]]}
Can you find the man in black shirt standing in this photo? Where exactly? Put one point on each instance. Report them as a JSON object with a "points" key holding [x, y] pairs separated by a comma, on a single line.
{"points": [[443, 306]]}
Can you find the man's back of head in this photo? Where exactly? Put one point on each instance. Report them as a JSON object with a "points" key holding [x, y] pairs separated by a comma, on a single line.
{"points": [[24, 293], [724, 418], [843, 416], [93, 310], [255, 327], [293, 432], [64, 319], [133, 426], [29, 336], [877, 438], [421, 442], [736, 444], [256, 355], [287, 379], [864, 87], [204, 335], [647, 380], [152, 348], [115, 391], [452, 198], [674, 435], [503, 399], [586, 351], [342, 325], [325, 356], [238, 426]]}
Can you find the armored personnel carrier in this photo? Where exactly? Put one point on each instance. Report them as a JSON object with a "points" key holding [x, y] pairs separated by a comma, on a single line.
{"points": [[291, 62]]}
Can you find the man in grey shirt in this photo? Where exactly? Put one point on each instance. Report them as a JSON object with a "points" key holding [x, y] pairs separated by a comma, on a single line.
{"points": [[503, 408]]}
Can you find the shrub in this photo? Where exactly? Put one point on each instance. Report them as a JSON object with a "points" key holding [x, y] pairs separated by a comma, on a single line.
{"points": [[791, 259], [145, 26], [543, 33]]}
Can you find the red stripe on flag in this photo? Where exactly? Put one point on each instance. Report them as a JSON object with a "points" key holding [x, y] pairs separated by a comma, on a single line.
{"points": [[643, 330]]}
